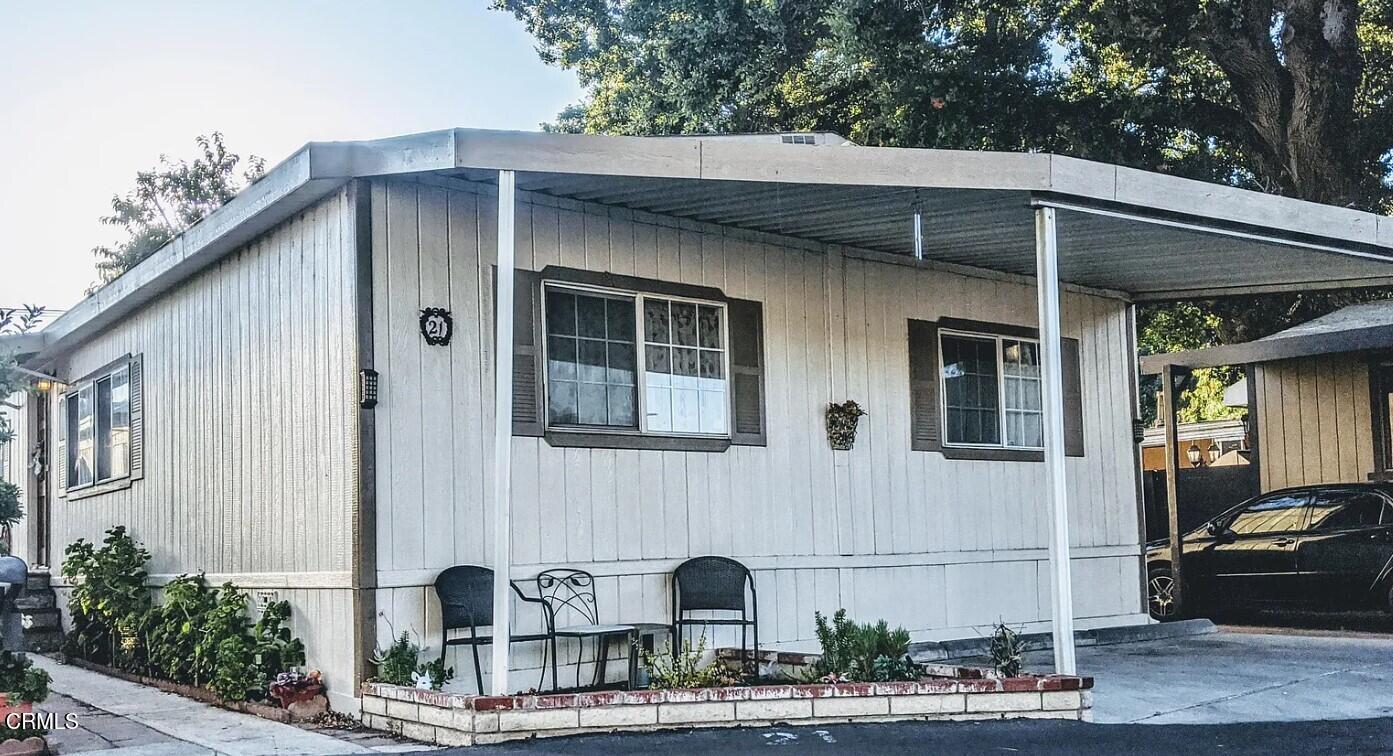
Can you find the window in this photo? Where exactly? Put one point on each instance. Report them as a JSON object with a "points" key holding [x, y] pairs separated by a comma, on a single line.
{"points": [[1343, 510], [1284, 513], [991, 391], [98, 428], [596, 380]]}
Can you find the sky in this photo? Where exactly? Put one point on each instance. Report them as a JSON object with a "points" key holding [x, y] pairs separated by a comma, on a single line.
{"points": [[91, 93]]}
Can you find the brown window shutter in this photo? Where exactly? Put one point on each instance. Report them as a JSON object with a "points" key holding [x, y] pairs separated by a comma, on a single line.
{"points": [[925, 428], [136, 383], [60, 456], [527, 355], [748, 426], [1073, 397]]}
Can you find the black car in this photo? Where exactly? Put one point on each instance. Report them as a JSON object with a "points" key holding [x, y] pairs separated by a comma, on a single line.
{"points": [[1328, 546]]}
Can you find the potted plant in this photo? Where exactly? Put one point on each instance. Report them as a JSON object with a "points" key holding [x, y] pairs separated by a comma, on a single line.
{"points": [[300, 693], [842, 420], [21, 686]]}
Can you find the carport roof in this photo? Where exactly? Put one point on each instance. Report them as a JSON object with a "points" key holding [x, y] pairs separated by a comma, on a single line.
{"points": [[1356, 328], [1142, 235]]}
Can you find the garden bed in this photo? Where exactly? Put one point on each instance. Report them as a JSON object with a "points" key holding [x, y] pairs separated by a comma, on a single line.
{"points": [[265, 711], [960, 693]]}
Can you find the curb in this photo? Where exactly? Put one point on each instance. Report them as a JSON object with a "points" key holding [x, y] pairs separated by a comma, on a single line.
{"points": [[959, 648]]}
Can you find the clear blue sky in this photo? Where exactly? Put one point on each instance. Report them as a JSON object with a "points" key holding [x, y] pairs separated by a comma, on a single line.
{"points": [[93, 92]]}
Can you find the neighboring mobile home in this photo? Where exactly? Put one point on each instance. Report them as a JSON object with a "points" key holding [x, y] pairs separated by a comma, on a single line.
{"points": [[1320, 395], [276, 397]]}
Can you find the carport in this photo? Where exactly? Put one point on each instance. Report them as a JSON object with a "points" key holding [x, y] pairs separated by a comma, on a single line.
{"points": [[1063, 221]]}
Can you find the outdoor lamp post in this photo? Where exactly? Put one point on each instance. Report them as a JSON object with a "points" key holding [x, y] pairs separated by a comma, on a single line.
{"points": [[1193, 454]]}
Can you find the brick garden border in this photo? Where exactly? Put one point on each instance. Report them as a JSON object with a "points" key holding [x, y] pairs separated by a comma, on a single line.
{"points": [[461, 720]]}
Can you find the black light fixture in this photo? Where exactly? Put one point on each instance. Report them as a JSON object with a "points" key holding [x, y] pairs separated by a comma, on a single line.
{"points": [[1193, 454], [367, 388], [1213, 453]]}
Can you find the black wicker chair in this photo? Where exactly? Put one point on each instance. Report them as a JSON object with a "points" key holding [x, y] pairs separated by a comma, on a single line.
{"points": [[569, 597], [714, 583], [466, 601]]}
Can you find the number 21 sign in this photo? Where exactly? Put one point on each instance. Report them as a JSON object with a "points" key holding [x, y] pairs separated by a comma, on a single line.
{"points": [[437, 326]]}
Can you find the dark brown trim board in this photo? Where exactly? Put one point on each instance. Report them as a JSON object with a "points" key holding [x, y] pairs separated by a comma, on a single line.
{"points": [[364, 519]]}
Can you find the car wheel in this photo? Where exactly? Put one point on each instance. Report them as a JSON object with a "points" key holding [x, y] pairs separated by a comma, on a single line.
{"points": [[1160, 594]]}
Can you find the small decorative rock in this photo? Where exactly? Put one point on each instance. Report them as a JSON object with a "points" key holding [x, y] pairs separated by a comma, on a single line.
{"points": [[31, 746]]}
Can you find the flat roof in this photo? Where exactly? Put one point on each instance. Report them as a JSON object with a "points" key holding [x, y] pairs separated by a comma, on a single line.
{"points": [[1140, 235], [1356, 328]]}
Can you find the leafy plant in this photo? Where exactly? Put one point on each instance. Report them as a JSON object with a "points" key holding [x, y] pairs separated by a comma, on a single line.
{"points": [[862, 653], [20, 681], [109, 594], [398, 664], [292, 686], [685, 669], [10, 509], [198, 635], [437, 672], [1005, 650]]}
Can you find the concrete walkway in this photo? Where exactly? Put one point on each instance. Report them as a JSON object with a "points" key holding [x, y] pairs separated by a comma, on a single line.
{"points": [[1238, 677], [118, 717]]}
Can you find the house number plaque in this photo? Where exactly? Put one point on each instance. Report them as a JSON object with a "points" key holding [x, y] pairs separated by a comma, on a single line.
{"points": [[437, 326]]}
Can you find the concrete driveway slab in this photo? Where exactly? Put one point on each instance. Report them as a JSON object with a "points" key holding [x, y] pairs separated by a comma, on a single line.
{"points": [[1233, 677]]}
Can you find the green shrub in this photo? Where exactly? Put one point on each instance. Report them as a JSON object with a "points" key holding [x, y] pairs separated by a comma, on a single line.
{"points": [[397, 665], [436, 671], [1006, 650], [862, 653], [197, 635], [20, 680], [684, 669], [109, 598]]}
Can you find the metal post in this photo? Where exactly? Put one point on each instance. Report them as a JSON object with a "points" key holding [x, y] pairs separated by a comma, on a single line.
{"points": [[1166, 409], [1052, 386], [503, 434], [918, 235]]}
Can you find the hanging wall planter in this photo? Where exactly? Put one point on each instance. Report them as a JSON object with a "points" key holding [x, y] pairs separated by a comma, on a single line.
{"points": [[842, 420]]}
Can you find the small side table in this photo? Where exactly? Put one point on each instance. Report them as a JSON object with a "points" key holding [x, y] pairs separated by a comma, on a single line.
{"points": [[641, 630]]}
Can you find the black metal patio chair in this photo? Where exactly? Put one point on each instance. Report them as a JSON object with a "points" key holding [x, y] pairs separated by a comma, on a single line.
{"points": [[572, 612], [466, 601], [714, 584]]}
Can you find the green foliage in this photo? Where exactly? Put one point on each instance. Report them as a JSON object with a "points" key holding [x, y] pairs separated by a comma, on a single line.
{"points": [[108, 595], [1006, 650], [862, 653], [20, 681], [397, 665], [10, 509], [169, 198], [14, 320], [196, 636], [437, 672], [685, 669]]}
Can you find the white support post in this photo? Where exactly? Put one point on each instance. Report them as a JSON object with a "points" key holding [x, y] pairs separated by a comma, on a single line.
{"points": [[1052, 373], [503, 435]]}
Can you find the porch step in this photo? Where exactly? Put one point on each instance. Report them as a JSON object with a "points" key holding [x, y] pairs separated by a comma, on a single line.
{"points": [[38, 608]]}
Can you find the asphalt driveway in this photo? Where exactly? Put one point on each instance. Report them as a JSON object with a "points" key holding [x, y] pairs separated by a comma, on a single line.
{"points": [[1238, 677]]}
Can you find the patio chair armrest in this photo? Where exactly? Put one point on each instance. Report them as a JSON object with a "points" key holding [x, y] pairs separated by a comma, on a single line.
{"points": [[547, 612]]}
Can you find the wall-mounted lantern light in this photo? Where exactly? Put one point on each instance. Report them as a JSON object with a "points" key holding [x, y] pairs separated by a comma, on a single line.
{"points": [[1193, 454], [1213, 453]]}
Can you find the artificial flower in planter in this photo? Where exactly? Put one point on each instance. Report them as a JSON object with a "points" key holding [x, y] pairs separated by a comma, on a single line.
{"points": [[302, 694], [842, 420]]}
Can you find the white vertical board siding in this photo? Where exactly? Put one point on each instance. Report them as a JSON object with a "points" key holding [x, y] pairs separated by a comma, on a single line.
{"points": [[1314, 421], [860, 529], [250, 421], [15, 456]]}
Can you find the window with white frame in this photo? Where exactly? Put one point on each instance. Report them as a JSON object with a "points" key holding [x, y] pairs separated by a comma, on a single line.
{"points": [[98, 426], [626, 361], [991, 391]]}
